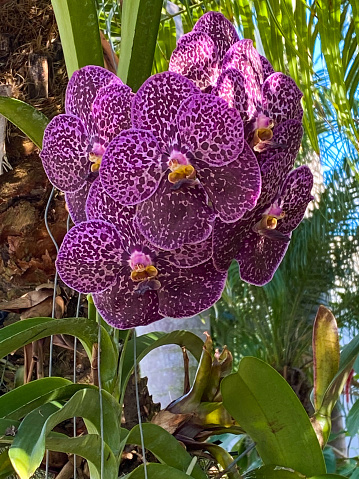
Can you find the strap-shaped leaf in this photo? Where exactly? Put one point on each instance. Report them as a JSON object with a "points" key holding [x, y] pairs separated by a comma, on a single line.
{"points": [[277, 472], [22, 400], [347, 359], [157, 471], [29, 120], [326, 352], [165, 447], [23, 332], [28, 447], [266, 407], [139, 28], [79, 33]]}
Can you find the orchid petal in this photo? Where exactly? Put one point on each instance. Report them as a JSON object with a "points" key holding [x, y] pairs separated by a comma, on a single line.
{"points": [[259, 258], [234, 188], [219, 29], [281, 98], [131, 167], [90, 256], [156, 104], [196, 59], [76, 203], [123, 307], [210, 130], [190, 255], [102, 207], [231, 86], [174, 217], [186, 292], [111, 112], [294, 198], [83, 88], [237, 59], [226, 241], [267, 68], [287, 137], [65, 155]]}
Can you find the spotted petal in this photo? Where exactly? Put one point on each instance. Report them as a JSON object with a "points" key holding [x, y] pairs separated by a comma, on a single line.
{"points": [[287, 137], [191, 254], [83, 88], [131, 167], [196, 59], [294, 198], [156, 104], [267, 68], [65, 153], [226, 241], [236, 58], [234, 188], [111, 112], [123, 308], [281, 98], [210, 130], [76, 203], [231, 86], [90, 257], [101, 206], [174, 217], [219, 29], [259, 258], [188, 291], [274, 172], [243, 52]]}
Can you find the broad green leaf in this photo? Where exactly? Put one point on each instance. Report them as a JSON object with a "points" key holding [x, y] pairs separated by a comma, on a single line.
{"points": [[29, 120], [28, 446], [88, 447], [352, 420], [347, 359], [326, 353], [20, 401], [277, 472], [139, 29], [6, 468], [165, 447], [150, 341], [266, 407], [224, 459], [79, 33], [157, 471], [23, 332], [272, 472]]}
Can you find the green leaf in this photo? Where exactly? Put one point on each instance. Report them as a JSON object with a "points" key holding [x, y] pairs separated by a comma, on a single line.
{"points": [[347, 359], [157, 471], [88, 447], [272, 472], [79, 33], [26, 331], [150, 341], [139, 28], [6, 468], [352, 420], [266, 407], [29, 120], [165, 447], [326, 353], [28, 447], [17, 403]]}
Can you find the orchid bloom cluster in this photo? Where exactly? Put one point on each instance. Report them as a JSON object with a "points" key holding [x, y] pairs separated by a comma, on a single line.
{"points": [[167, 186]]}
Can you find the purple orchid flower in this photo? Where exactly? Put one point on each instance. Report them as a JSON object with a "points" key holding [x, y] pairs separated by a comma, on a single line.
{"points": [[133, 284], [259, 241], [216, 60], [98, 107], [183, 162]]}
